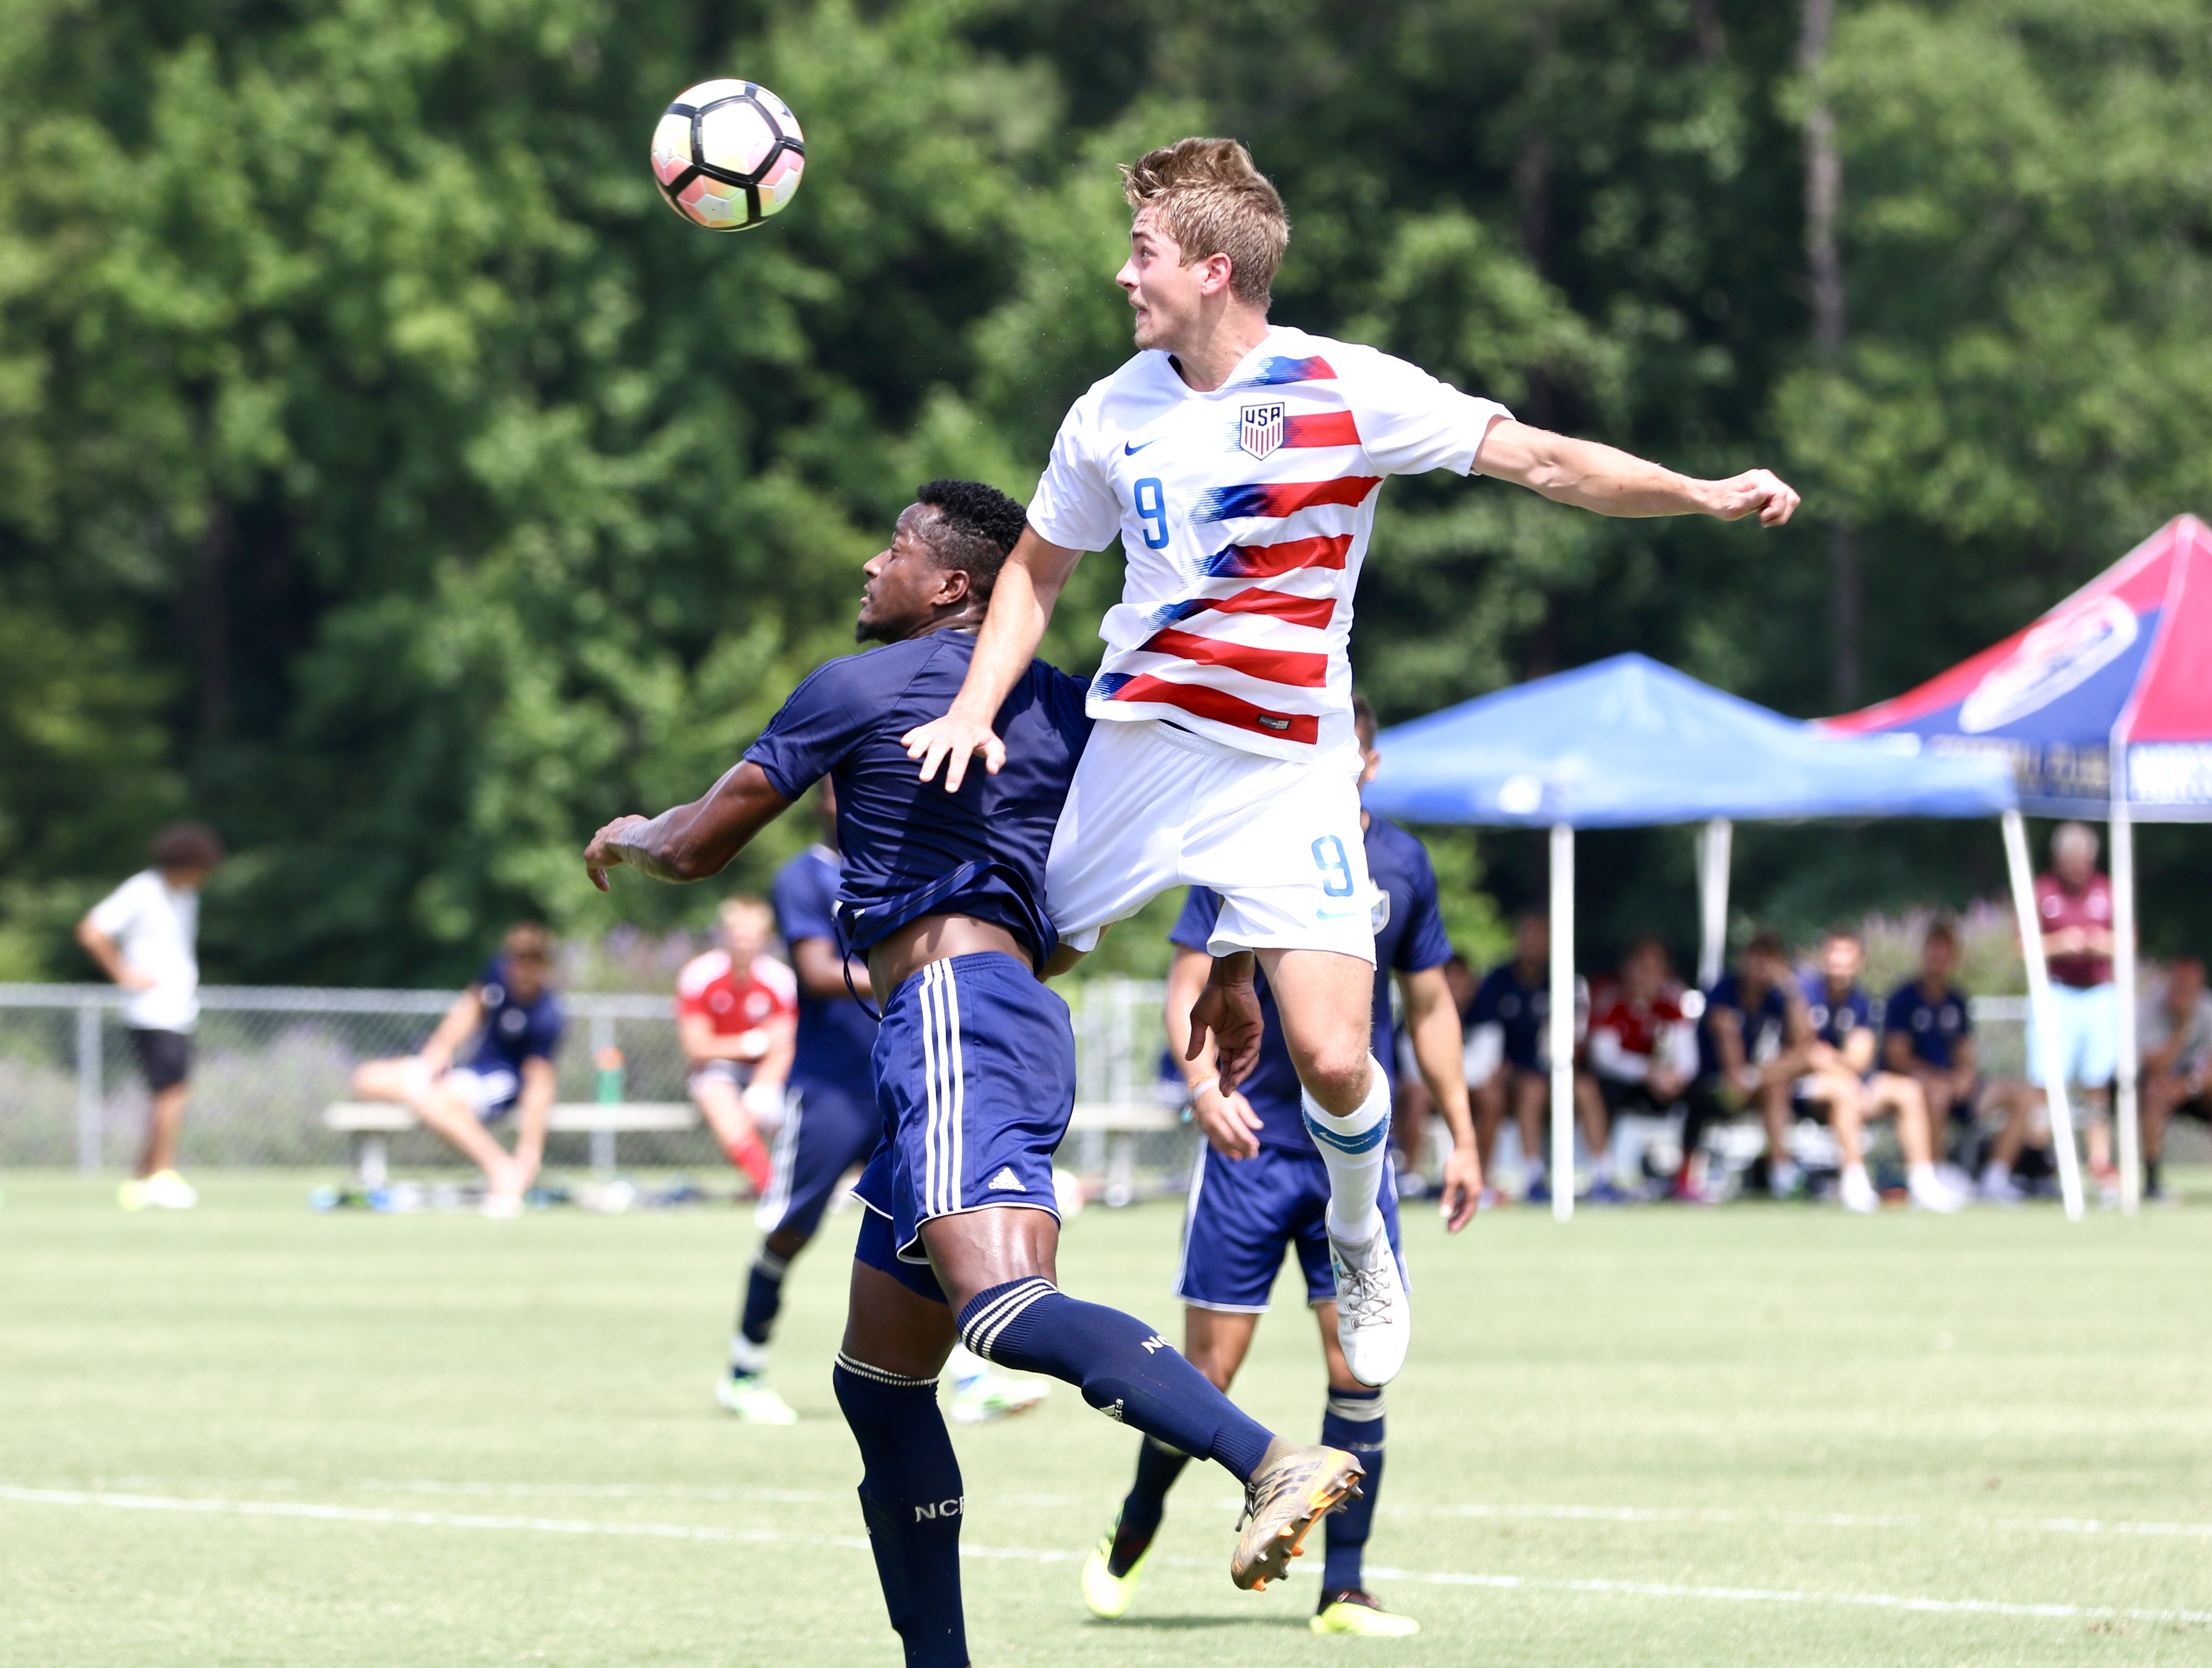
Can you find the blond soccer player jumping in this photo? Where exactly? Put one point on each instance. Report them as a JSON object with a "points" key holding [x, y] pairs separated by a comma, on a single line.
{"points": [[1239, 462]]}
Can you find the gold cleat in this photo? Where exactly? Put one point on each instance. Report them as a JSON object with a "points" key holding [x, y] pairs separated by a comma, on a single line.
{"points": [[1286, 1497]]}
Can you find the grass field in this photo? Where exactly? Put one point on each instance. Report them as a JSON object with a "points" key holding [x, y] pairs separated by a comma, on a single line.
{"points": [[256, 1435]]}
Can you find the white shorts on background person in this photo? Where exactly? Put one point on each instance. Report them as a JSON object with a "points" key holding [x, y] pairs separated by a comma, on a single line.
{"points": [[489, 1094], [1154, 807], [2088, 1035]]}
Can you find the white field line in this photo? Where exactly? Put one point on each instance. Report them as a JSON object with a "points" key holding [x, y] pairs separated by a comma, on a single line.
{"points": [[679, 1531], [1234, 1502]]}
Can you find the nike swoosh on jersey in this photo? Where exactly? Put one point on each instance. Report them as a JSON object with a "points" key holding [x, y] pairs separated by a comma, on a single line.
{"points": [[1128, 450]]}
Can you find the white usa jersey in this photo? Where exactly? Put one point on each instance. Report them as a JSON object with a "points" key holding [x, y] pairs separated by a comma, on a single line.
{"points": [[1244, 515]]}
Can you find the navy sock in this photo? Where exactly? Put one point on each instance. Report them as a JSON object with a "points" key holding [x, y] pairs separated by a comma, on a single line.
{"points": [[1354, 1423], [910, 1497], [763, 1299], [1125, 1369], [1158, 1467]]}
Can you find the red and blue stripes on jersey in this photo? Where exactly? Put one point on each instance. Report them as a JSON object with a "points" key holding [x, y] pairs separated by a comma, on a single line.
{"points": [[1200, 701], [1280, 372], [1276, 498], [1315, 611], [1265, 561], [1322, 428]]}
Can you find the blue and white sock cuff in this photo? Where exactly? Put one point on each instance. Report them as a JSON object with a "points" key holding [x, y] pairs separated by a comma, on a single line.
{"points": [[767, 1262], [1366, 1141], [1360, 1408], [861, 1369], [992, 1314]]}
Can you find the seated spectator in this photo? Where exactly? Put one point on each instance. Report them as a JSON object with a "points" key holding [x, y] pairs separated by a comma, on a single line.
{"points": [[1928, 1036], [1643, 1054], [1751, 1048], [1509, 1062], [1849, 1087], [736, 1016], [511, 1012], [2175, 1036]]}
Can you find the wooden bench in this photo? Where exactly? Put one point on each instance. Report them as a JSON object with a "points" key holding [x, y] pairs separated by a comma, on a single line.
{"points": [[372, 1123]]}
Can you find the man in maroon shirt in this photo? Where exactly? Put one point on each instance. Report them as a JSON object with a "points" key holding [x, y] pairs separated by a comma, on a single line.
{"points": [[2075, 905]]}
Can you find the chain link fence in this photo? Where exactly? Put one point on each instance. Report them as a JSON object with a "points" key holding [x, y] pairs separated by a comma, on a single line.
{"points": [[268, 1061]]}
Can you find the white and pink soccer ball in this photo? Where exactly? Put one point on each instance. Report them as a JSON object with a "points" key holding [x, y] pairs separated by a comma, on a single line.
{"points": [[727, 155]]}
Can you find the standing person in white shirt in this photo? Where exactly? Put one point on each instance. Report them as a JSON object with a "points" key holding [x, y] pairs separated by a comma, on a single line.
{"points": [[1238, 463], [145, 937]]}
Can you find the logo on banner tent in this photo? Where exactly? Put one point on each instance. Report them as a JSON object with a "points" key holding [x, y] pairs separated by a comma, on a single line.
{"points": [[1259, 429], [2054, 657]]}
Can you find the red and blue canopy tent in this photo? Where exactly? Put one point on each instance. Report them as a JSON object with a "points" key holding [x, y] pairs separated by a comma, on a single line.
{"points": [[2103, 709]]}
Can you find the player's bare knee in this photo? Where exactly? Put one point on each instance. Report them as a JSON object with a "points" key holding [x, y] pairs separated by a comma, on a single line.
{"points": [[1336, 1072]]}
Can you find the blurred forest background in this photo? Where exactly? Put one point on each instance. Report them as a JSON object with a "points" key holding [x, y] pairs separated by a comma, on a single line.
{"points": [[389, 478]]}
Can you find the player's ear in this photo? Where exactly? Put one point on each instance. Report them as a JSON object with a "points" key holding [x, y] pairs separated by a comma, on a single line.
{"points": [[1215, 271], [953, 585]]}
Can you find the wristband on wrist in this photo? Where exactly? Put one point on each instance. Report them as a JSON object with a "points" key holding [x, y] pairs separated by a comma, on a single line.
{"points": [[1202, 1085]]}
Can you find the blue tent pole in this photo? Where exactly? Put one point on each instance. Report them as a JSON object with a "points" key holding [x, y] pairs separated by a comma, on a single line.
{"points": [[1563, 1021]]}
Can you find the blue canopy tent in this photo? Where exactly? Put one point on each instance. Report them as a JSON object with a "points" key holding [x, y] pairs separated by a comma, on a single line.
{"points": [[1627, 742]]}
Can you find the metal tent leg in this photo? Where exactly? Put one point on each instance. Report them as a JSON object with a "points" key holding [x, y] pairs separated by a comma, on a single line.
{"points": [[1562, 1021]]}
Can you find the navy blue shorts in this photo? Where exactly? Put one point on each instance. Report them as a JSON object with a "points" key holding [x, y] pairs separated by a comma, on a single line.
{"points": [[1245, 1212], [827, 1130], [874, 1247], [975, 1077]]}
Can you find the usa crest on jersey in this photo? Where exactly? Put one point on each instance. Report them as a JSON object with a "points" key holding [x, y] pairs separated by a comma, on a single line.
{"points": [[1259, 429]]}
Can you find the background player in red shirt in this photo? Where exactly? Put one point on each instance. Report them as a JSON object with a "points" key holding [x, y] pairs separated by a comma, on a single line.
{"points": [[737, 1015]]}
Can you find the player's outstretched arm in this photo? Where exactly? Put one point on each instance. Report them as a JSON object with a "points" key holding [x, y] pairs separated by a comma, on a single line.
{"points": [[1602, 478], [1021, 607], [692, 842]]}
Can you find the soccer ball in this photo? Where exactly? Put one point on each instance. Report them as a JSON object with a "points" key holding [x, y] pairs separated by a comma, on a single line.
{"points": [[727, 155]]}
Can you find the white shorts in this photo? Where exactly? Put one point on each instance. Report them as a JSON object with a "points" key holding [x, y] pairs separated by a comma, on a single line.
{"points": [[1153, 808], [489, 1095]]}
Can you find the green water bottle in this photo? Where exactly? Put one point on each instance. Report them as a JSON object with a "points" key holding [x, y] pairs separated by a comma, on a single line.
{"points": [[609, 1063]]}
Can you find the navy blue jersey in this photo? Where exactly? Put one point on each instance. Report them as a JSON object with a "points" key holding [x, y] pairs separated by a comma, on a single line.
{"points": [[909, 848], [1766, 1028], [1833, 1018], [1936, 1026], [836, 1032], [1409, 938], [1519, 1010], [512, 1031]]}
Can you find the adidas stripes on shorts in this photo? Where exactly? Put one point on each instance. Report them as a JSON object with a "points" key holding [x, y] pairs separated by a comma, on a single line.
{"points": [[975, 1077]]}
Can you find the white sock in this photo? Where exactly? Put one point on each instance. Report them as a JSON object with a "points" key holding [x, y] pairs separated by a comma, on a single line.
{"points": [[965, 1366], [1995, 1175], [1602, 1168], [1784, 1174], [1857, 1171], [1534, 1169], [1353, 1147]]}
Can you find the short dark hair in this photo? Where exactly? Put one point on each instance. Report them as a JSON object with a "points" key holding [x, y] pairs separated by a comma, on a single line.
{"points": [[977, 527], [1941, 931], [1836, 932], [186, 845], [1768, 944], [528, 941], [1363, 720]]}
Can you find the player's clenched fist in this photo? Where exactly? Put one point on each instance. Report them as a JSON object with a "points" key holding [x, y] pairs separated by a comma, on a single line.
{"points": [[1759, 491], [952, 741], [602, 854]]}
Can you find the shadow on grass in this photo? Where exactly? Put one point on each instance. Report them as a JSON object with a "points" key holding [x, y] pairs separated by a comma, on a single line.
{"points": [[1193, 1623]]}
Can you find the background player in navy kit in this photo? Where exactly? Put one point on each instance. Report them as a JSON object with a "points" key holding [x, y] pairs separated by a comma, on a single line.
{"points": [[831, 1125], [1751, 1048], [517, 1023], [1853, 1088], [973, 1065], [1260, 1188], [830, 1122]]}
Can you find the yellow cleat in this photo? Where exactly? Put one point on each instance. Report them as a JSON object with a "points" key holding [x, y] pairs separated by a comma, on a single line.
{"points": [[1109, 1595], [1352, 1611], [1286, 1497], [131, 1195]]}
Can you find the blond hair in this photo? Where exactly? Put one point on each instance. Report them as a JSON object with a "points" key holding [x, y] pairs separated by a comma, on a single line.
{"points": [[1212, 201], [745, 906]]}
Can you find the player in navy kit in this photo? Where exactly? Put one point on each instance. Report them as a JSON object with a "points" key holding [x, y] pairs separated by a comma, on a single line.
{"points": [[1260, 1188], [517, 1024], [973, 1067]]}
